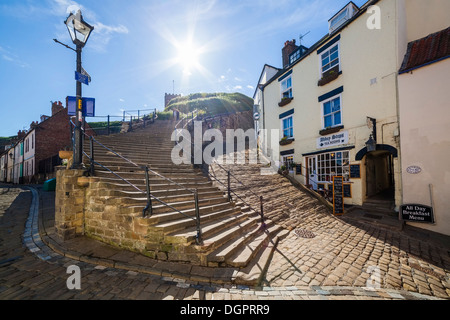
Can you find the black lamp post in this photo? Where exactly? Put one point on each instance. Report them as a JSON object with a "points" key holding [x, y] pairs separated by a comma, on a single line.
{"points": [[79, 31]]}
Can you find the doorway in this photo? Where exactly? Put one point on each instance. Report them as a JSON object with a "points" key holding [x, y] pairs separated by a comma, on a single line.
{"points": [[380, 175]]}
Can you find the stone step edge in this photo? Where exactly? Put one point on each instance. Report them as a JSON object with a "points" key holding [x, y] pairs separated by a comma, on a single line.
{"points": [[219, 276]]}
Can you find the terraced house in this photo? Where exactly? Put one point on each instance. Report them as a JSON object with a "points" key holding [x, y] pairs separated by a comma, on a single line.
{"points": [[336, 104]]}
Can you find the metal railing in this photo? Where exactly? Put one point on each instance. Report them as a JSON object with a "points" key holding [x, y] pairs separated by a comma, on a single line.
{"points": [[231, 191], [184, 123], [147, 192]]}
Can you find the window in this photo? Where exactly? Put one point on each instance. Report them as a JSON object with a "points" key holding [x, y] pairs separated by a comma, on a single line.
{"points": [[295, 56], [342, 16], [332, 112], [339, 19], [330, 58], [288, 162], [333, 164], [286, 88], [288, 127]]}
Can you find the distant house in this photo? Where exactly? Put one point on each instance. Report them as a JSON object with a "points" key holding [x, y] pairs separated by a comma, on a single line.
{"points": [[425, 126], [35, 153]]}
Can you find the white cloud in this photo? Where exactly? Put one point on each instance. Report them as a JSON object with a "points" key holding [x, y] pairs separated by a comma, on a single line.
{"points": [[251, 87], [13, 58], [121, 100]]}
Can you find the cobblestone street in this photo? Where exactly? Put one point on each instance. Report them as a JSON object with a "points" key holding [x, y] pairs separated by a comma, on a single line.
{"points": [[331, 266]]}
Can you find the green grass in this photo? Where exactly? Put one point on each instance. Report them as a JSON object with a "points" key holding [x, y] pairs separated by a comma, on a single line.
{"points": [[212, 103]]}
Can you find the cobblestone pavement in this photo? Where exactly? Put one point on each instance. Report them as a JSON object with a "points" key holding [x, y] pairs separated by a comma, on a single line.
{"points": [[327, 267]]}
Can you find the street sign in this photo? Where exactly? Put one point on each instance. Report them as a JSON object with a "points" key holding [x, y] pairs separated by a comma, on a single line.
{"points": [[82, 78], [84, 73]]}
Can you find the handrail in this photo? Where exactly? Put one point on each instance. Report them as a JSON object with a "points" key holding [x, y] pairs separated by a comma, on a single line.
{"points": [[261, 211], [136, 187], [198, 238], [261, 198]]}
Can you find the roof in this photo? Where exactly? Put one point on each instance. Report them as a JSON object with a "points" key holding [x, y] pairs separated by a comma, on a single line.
{"points": [[262, 73], [425, 51]]}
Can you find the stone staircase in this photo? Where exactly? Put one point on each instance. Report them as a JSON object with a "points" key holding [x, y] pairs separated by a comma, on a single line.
{"points": [[233, 234]]}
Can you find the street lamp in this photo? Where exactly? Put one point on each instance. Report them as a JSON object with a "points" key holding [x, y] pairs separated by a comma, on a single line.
{"points": [[79, 31]]}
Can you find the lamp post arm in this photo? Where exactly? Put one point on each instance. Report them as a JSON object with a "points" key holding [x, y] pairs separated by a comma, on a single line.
{"points": [[65, 45]]}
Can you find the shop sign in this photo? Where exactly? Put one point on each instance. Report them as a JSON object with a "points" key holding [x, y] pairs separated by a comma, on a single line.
{"points": [[417, 213], [332, 140]]}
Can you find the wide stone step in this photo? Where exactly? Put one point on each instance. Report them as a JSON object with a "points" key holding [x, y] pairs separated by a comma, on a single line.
{"points": [[242, 257], [182, 205], [121, 185], [210, 228], [180, 225], [225, 251], [140, 175]]}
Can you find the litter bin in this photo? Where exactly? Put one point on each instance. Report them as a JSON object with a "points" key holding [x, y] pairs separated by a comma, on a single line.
{"points": [[50, 185]]}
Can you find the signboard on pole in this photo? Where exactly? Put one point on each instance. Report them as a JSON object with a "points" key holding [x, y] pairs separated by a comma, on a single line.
{"points": [[338, 195], [82, 78], [88, 106], [417, 213]]}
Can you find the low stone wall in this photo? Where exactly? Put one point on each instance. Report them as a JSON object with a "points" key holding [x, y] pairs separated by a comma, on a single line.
{"points": [[85, 206]]}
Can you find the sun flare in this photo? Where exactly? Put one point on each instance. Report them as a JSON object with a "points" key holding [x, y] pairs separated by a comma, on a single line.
{"points": [[188, 56]]}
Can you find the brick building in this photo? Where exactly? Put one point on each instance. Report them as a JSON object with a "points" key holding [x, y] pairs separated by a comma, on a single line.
{"points": [[35, 153]]}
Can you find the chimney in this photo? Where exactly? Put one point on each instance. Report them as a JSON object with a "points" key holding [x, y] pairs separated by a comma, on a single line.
{"points": [[289, 48], [21, 134], [56, 107]]}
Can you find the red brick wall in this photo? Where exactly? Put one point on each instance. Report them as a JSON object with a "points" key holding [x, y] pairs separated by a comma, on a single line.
{"points": [[52, 135]]}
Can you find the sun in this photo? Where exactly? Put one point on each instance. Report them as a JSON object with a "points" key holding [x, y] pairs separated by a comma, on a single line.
{"points": [[188, 56]]}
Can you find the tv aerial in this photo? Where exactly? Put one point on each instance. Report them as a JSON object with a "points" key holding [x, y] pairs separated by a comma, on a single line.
{"points": [[302, 36]]}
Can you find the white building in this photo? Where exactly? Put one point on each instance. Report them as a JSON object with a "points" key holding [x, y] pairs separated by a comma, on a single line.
{"points": [[425, 126], [336, 104]]}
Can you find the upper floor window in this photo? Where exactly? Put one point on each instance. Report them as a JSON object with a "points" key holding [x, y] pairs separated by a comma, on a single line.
{"points": [[342, 16], [286, 88], [332, 112], [288, 127], [330, 58]]}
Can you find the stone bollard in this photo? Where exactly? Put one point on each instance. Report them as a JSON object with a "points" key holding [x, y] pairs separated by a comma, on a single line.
{"points": [[69, 204]]}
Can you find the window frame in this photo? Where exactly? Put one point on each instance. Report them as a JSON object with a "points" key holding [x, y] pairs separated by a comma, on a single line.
{"points": [[327, 51], [289, 164], [322, 110], [283, 129], [321, 169], [288, 89]]}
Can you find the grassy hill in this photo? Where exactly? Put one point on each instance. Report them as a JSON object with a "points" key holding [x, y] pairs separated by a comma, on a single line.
{"points": [[212, 103]]}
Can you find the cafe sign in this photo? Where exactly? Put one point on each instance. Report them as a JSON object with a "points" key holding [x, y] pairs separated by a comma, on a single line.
{"points": [[417, 213], [332, 140]]}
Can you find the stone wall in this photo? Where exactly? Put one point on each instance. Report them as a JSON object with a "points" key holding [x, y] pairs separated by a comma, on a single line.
{"points": [[85, 206], [69, 204]]}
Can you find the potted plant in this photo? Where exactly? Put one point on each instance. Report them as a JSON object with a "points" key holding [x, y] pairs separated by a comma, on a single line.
{"points": [[329, 76], [285, 101], [286, 141], [330, 130]]}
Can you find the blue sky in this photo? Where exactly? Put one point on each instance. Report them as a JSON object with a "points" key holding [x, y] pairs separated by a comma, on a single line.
{"points": [[141, 49]]}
